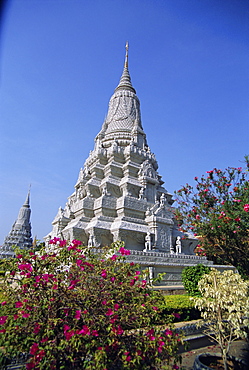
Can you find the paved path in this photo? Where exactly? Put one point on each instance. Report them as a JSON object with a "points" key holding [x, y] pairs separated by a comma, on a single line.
{"points": [[239, 348]]}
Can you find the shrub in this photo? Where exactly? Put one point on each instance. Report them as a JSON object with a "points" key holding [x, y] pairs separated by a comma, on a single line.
{"points": [[224, 306], [217, 210], [177, 308], [70, 307], [191, 276]]}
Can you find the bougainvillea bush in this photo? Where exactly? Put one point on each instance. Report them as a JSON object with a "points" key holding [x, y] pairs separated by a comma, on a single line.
{"points": [[217, 211], [70, 307]]}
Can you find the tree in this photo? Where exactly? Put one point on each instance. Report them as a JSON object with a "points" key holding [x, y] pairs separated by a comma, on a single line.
{"points": [[217, 211], [224, 306], [71, 307]]}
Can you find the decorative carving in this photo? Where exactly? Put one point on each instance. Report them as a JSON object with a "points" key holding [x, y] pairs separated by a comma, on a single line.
{"points": [[178, 245], [147, 242]]}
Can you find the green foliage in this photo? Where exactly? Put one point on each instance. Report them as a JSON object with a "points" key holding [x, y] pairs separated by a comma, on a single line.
{"points": [[73, 308], [176, 308], [217, 211], [224, 306], [191, 275]]}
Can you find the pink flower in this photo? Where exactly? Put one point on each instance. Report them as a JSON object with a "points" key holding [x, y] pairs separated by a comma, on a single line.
{"points": [[155, 308], [40, 355], [118, 330], [109, 312], [95, 333], [25, 266], [177, 316], [63, 243], [77, 314], [246, 207], [69, 334], [85, 330], [168, 332], [124, 252], [132, 282], [144, 282], [18, 304], [65, 328], [104, 274], [113, 319], [73, 284], [76, 242], [25, 314], [114, 257], [3, 303], [116, 306], [33, 349], [36, 328], [3, 319], [54, 241], [128, 357], [112, 279], [3, 331]]}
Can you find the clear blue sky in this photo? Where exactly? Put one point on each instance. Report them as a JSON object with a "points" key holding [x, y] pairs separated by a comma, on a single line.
{"points": [[60, 61]]}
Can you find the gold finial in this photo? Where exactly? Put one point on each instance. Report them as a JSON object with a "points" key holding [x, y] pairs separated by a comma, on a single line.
{"points": [[126, 54]]}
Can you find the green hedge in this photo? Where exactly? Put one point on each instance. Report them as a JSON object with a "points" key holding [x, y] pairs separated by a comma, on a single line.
{"points": [[177, 305]]}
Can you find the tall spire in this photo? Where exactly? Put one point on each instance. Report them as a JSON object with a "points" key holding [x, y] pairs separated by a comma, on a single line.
{"points": [[20, 234], [26, 204], [125, 80]]}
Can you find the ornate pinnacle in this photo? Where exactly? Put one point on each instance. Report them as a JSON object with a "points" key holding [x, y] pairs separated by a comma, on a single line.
{"points": [[126, 54], [125, 81]]}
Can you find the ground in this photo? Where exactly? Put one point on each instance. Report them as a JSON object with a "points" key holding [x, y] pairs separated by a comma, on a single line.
{"points": [[239, 348]]}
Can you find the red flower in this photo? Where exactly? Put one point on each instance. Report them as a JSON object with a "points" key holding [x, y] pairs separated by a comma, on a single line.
{"points": [[69, 334], [124, 252], [246, 207], [54, 241], [37, 328], [33, 349], [25, 266], [177, 316], [30, 365], [85, 330], [104, 274], [3, 319], [25, 314], [109, 312], [77, 314]]}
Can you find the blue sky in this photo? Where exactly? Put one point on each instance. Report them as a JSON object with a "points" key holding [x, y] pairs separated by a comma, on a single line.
{"points": [[60, 61]]}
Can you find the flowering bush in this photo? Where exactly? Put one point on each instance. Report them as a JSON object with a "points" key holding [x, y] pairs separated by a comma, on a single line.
{"points": [[217, 211], [75, 308]]}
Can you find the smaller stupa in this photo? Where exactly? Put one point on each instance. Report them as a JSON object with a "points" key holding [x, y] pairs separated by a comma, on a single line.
{"points": [[20, 234]]}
